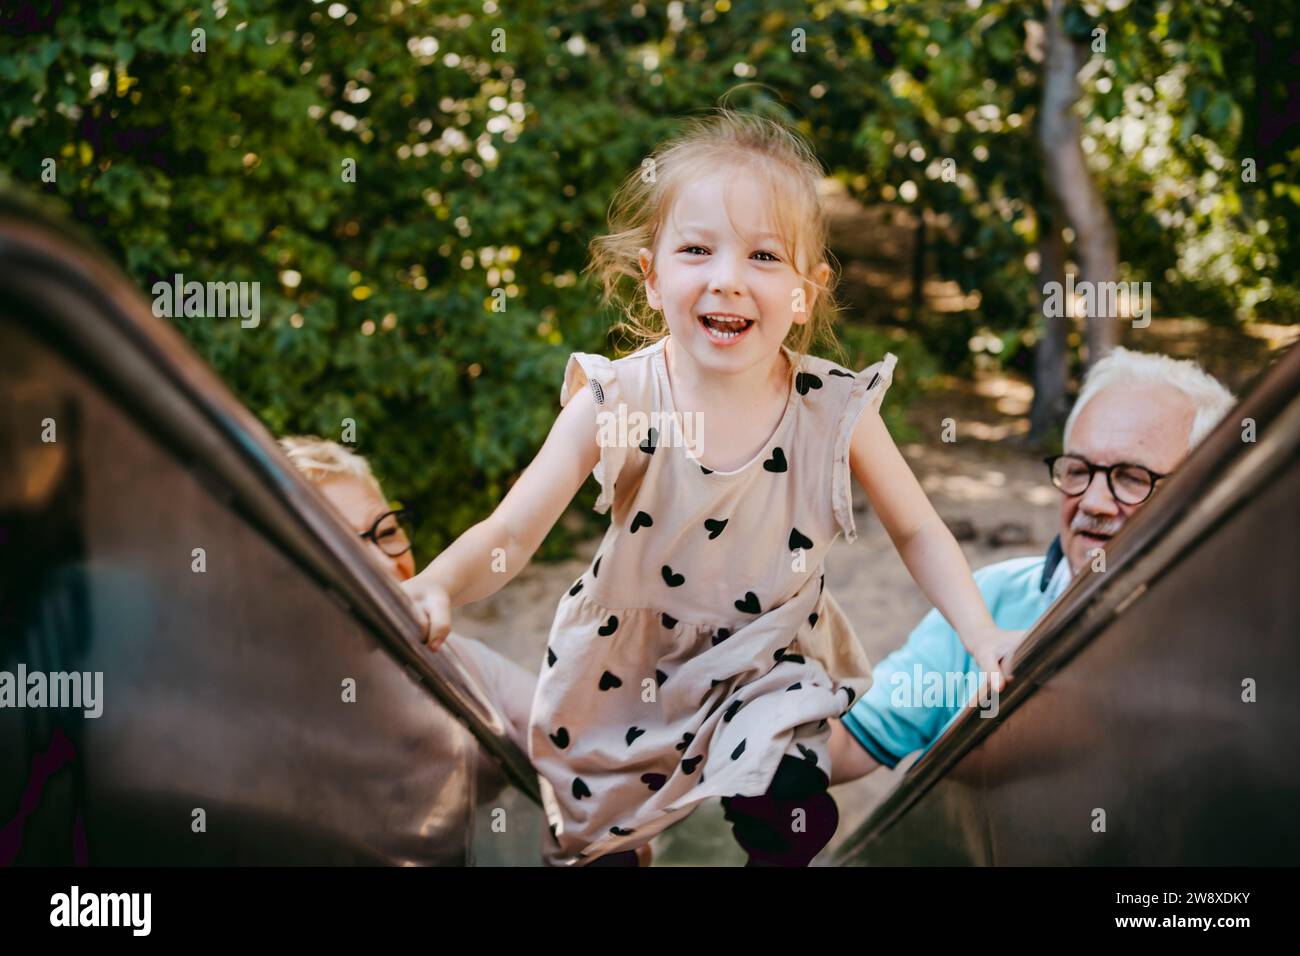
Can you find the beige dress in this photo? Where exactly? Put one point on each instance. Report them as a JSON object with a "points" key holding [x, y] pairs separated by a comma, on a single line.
{"points": [[701, 645]]}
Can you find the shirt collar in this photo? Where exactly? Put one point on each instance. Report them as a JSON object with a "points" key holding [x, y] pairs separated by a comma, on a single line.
{"points": [[1056, 570]]}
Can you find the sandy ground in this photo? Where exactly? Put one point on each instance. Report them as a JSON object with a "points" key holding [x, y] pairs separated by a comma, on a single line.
{"points": [[988, 485]]}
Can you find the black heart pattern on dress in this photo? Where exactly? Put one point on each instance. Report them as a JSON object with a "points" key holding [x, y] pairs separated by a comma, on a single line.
{"points": [[874, 379], [580, 789], [654, 780], [648, 446], [798, 540], [576, 588], [595, 568], [776, 463], [735, 754], [822, 587], [812, 619], [809, 755], [749, 604], [619, 831], [840, 372], [642, 520], [731, 711], [608, 680], [714, 527], [671, 579], [685, 742], [781, 655], [690, 763], [707, 471], [805, 381], [550, 658], [660, 677], [633, 733], [851, 694], [609, 627], [795, 686], [721, 636], [668, 622], [560, 738]]}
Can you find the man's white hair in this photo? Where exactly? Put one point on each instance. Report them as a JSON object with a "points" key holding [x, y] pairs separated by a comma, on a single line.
{"points": [[1208, 396]]}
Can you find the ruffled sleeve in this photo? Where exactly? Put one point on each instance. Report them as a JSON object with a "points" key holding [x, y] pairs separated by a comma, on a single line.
{"points": [[868, 388], [596, 372]]}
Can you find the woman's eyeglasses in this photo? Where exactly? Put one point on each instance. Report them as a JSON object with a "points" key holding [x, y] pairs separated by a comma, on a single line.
{"points": [[387, 534], [1129, 484]]}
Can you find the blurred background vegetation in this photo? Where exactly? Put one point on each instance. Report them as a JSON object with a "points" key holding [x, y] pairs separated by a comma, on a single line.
{"points": [[211, 139]]}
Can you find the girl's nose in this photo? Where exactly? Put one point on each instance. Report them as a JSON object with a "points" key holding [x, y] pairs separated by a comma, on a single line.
{"points": [[725, 279]]}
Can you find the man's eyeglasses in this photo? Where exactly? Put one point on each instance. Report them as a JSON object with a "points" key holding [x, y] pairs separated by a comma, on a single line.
{"points": [[1129, 484], [387, 534]]}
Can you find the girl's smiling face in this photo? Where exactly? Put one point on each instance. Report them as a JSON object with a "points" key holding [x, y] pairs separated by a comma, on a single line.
{"points": [[722, 275]]}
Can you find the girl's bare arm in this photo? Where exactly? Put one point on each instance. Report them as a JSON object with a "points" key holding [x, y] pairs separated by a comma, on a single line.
{"points": [[925, 544], [488, 555]]}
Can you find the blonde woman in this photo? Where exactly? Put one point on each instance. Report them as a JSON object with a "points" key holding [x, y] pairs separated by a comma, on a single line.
{"points": [[346, 481]]}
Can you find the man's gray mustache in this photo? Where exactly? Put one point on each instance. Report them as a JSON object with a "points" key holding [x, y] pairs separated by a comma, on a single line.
{"points": [[1082, 522]]}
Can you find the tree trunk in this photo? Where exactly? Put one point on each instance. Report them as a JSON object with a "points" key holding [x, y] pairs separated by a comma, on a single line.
{"points": [[918, 268], [1051, 363], [1069, 182]]}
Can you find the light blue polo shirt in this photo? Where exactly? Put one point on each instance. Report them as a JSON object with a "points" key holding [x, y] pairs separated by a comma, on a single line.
{"points": [[899, 714]]}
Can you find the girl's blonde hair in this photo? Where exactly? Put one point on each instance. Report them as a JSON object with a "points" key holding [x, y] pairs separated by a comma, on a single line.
{"points": [[788, 167]]}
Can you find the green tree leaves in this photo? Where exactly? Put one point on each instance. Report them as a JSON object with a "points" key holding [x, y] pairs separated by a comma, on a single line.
{"points": [[479, 170]]}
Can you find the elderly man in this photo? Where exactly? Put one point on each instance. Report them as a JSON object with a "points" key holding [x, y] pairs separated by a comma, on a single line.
{"points": [[1137, 417]]}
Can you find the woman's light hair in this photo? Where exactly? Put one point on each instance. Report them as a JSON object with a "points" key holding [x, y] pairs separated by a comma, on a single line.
{"points": [[1208, 396], [790, 173], [321, 459]]}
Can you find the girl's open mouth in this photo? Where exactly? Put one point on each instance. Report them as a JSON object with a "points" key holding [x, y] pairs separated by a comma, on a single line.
{"points": [[725, 329]]}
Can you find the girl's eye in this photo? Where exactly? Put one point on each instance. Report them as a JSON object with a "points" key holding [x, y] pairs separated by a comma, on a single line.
{"points": [[770, 256], [693, 249]]}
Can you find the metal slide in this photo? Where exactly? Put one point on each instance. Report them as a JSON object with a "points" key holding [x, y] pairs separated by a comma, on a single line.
{"points": [[1155, 716], [224, 735]]}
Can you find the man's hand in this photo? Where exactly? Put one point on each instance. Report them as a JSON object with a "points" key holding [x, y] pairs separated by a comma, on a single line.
{"points": [[434, 605], [993, 649]]}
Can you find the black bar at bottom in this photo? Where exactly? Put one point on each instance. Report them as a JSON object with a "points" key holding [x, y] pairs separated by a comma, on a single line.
{"points": [[939, 906]]}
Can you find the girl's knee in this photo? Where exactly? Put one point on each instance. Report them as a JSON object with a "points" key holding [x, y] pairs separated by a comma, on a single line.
{"points": [[795, 779], [791, 823]]}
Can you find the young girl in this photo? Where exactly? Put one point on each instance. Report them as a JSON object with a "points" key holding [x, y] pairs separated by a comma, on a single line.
{"points": [[700, 655]]}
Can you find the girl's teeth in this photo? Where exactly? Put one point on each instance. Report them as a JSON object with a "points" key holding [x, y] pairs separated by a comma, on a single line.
{"points": [[719, 327]]}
